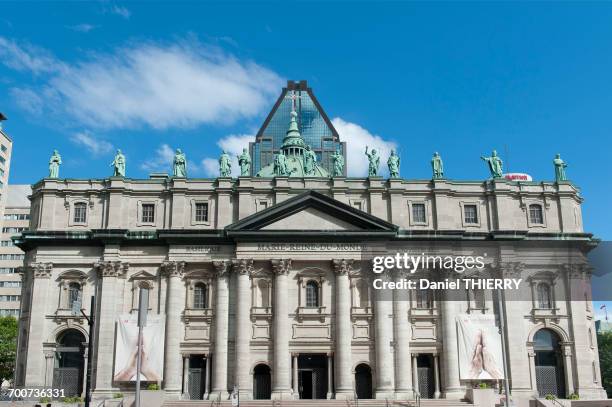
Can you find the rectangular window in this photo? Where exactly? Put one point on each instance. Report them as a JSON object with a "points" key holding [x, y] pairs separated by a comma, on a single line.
{"points": [[470, 214], [2, 160], [11, 256], [8, 270], [6, 243], [1, 173], [9, 298], [3, 148], [148, 213], [10, 284], [201, 211], [357, 205], [80, 212], [418, 213], [12, 230]]}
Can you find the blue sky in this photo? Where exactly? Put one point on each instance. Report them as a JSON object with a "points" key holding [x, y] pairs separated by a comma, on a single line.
{"points": [[530, 79]]}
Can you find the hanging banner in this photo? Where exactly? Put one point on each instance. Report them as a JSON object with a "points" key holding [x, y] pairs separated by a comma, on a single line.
{"points": [[152, 356], [480, 350]]}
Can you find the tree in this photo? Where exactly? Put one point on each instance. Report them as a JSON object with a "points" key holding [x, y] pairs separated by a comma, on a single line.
{"points": [[8, 346], [604, 342]]}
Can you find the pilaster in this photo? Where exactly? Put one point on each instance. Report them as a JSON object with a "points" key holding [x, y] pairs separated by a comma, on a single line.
{"points": [[343, 362], [281, 375]]}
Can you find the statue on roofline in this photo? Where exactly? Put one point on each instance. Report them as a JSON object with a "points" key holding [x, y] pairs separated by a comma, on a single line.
{"points": [[118, 164], [54, 163], [437, 166], [495, 164], [374, 162], [225, 165], [394, 165], [244, 160], [338, 164], [179, 164], [560, 167]]}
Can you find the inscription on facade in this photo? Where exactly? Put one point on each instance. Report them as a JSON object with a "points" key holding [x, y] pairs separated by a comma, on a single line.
{"points": [[202, 249], [309, 247]]}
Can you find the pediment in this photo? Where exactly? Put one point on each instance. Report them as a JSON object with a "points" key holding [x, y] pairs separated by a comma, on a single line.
{"points": [[142, 275], [311, 212]]}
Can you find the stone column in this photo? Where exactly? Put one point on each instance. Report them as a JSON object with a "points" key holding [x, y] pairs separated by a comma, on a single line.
{"points": [[401, 325], [281, 375], [108, 273], [344, 334], [86, 361], [330, 374], [451, 307], [415, 372], [207, 378], [242, 367], [175, 302], [569, 377], [35, 359], [436, 376], [49, 359], [532, 371], [219, 386], [296, 390], [186, 377], [384, 353]]}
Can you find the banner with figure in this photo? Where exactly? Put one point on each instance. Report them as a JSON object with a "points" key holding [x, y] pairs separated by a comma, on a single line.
{"points": [[152, 354], [480, 350]]}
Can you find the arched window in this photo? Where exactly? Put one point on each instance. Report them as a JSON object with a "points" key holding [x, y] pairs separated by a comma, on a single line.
{"points": [[423, 299], [535, 214], [544, 296], [74, 295], [80, 212], [312, 294], [200, 296]]}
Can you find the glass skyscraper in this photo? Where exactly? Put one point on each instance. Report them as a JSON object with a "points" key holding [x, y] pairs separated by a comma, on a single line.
{"points": [[314, 125]]}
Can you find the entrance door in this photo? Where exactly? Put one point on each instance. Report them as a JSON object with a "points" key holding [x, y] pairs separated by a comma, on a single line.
{"points": [[197, 377], [312, 376], [305, 382], [69, 363], [426, 378], [363, 381], [550, 374], [262, 385]]}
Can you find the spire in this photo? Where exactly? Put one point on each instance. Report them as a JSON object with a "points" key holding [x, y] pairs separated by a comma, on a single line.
{"points": [[293, 143]]}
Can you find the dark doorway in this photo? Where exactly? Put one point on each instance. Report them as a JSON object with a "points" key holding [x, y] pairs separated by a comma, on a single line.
{"points": [[197, 377], [262, 383], [363, 381], [312, 376], [69, 363], [550, 373], [426, 375]]}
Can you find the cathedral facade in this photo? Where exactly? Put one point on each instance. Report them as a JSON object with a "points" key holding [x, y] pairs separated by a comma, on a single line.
{"points": [[263, 285]]}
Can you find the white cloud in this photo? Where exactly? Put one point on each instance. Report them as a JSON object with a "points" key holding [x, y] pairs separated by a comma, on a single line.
{"points": [[91, 143], [357, 138], [83, 28], [120, 11], [211, 166], [28, 100], [149, 84], [162, 162], [26, 57]]}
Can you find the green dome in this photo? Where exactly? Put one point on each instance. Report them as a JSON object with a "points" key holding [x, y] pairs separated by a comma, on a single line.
{"points": [[295, 164]]}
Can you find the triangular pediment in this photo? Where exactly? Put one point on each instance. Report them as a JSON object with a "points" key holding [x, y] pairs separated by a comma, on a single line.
{"points": [[312, 212]]}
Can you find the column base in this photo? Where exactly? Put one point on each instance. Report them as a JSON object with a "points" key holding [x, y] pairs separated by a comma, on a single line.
{"points": [[284, 394], [454, 393], [344, 394], [219, 395], [404, 394], [384, 394], [593, 393], [246, 394]]}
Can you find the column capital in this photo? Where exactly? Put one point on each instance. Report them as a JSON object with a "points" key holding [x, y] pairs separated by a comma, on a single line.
{"points": [[222, 267], [281, 266], [342, 266], [42, 270], [243, 266], [112, 268], [173, 268]]}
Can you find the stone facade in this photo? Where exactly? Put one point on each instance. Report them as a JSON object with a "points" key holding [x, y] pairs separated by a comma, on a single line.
{"points": [[288, 295]]}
